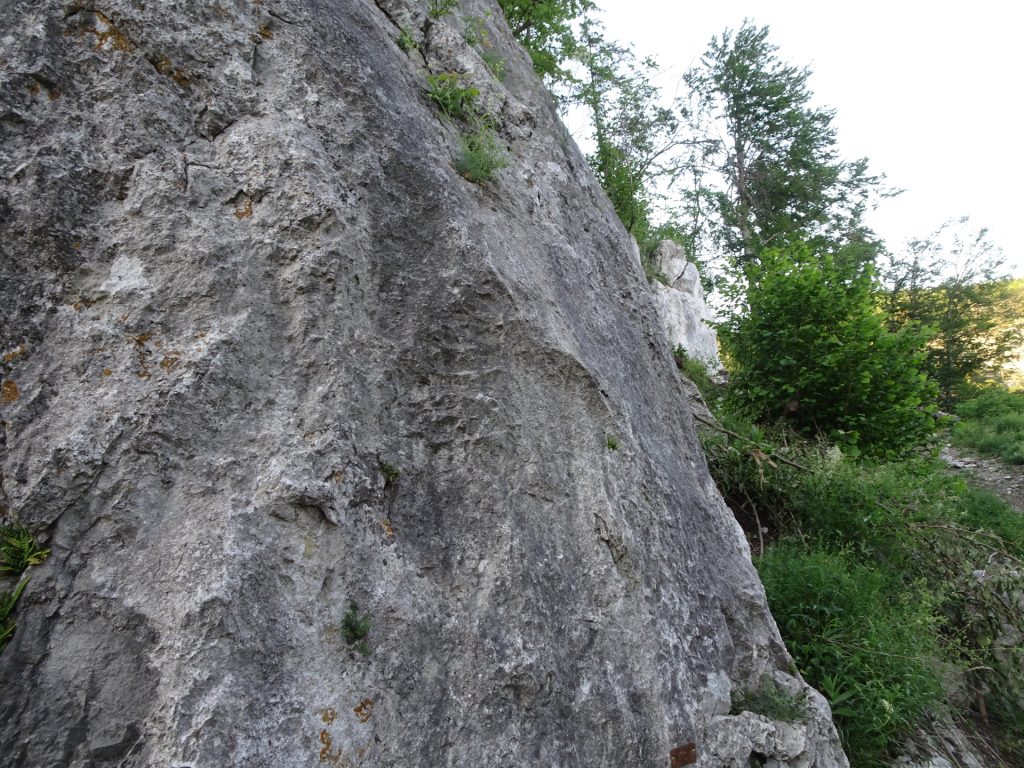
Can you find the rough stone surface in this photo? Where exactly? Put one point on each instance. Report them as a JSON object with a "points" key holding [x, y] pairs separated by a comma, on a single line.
{"points": [[264, 352], [681, 306]]}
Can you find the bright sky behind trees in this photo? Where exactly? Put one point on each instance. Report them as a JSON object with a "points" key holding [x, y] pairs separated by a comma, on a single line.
{"points": [[929, 92]]}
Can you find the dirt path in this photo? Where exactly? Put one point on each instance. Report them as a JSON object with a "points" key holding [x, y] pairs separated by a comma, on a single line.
{"points": [[1004, 480]]}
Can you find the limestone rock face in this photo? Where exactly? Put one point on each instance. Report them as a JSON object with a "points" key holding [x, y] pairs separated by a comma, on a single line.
{"points": [[681, 306], [318, 431]]}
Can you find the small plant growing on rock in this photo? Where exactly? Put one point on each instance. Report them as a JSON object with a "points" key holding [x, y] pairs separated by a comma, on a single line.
{"points": [[481, 155], [391, 474], [612, 443], [406, 41], [455, 100], [771, 700], [7, 603], [439, 8], [475, 32], [355, 628], [495, 65], [18, 550]]}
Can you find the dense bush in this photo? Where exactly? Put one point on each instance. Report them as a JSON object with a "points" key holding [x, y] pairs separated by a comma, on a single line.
{"points": [[811, 347], [895, 585], [869, 649]]}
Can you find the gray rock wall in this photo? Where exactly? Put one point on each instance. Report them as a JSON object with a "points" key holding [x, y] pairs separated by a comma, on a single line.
{"points": [[684, 313], [265, 352]]}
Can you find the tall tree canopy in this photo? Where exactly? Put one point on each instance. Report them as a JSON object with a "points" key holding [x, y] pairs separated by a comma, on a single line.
{"points": [[778, 158], [953, 283], [544, 28]]}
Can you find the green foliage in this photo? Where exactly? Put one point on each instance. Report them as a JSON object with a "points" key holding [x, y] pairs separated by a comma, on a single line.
{"points": [[7, 603], [812, 348], [869, 648], [544, 28], [18, 550], [694, 370], [495, 64], [453, 98], [653, 274], [952, 283], [406, 41], [391, 474], [355, 628], [475, 31], [779, 157], [634, 134], [886, 579], [439, 8], [612, 443], [993, 423], [771, 700], [481, 155]]}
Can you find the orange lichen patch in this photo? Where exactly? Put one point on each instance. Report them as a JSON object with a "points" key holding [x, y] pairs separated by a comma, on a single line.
{"points": [[389, 529], [14, 354], [329, 715], [338, 476], [364, 710], [245, 210], [110, 37], [8, 392], [328, 755], [266, 32], [107, 372], [52, 94], [166, 67], [142, 338], [170, 361], [34, 88]]}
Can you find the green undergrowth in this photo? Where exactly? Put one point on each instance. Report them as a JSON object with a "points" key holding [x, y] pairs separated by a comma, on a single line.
{"points": [[896, 586], [993, 424], [18, 551]]}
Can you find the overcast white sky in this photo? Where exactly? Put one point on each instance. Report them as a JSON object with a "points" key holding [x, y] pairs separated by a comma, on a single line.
{"points": [[931, 92]]}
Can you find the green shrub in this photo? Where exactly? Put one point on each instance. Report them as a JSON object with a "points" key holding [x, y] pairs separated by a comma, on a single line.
{"points": [[612, 443], [390, 473], [18, 550], [481, 155], [454, 100], [495, 65], [874, 653], [7, 602], [772, 701], [439, 8], [355, 628], [475, 31], [812, 348], [406, 41], [694, 370]]}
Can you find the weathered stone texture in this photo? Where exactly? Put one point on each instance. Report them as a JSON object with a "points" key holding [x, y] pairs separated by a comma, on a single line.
{"points": [[241, 285], [684, 314]]}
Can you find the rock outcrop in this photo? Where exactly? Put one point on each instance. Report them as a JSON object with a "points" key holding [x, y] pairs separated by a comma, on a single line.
{"points": [[684, 313], [342, 458]]}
